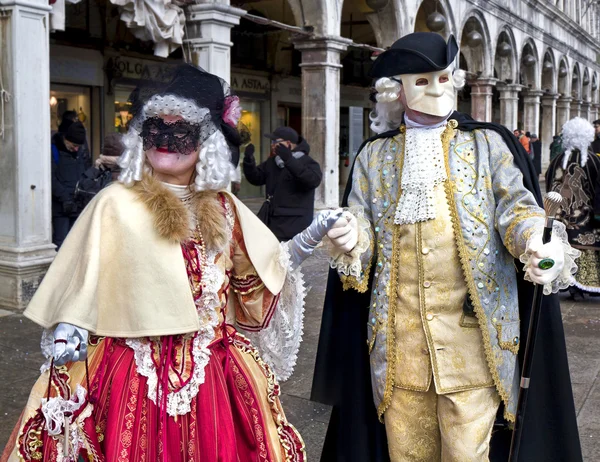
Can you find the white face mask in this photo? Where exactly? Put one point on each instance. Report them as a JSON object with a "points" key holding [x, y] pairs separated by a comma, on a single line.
{"points": [[431, 93]]}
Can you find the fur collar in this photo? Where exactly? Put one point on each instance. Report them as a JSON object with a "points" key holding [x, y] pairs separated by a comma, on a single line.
{"points": [[172, 217]]}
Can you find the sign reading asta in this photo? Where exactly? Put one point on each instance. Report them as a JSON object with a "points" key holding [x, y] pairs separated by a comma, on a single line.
{"points": [[249, 83]]}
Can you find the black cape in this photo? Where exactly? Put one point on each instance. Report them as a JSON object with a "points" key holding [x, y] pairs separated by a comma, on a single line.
{"points": [[342, 376]]}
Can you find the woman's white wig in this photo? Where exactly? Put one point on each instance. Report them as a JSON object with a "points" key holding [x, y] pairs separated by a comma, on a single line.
{"points": [[214, 170], [388, 111], [577, 135]]}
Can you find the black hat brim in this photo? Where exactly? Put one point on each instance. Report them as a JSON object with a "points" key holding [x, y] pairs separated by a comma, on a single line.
{"points": [[406, 61]]}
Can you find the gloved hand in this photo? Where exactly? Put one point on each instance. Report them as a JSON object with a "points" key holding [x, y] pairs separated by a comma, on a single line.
{"points": [[344, 232], [303, 244], [540, 251], [70, 344], [283, 152], [69, 207], [249, 152]]}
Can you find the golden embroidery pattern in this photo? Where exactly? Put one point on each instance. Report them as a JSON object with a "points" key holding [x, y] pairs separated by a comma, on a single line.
{"points": [[479, 311]]}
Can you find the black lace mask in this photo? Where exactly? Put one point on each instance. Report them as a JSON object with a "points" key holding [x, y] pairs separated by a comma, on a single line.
{"points": [[181, 136]]}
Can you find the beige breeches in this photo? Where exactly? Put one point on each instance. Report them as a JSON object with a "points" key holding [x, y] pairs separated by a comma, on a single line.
{"points": [[427, 427]]}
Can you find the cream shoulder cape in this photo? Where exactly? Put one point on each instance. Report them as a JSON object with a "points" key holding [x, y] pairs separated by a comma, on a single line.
{"points": [[116, 275]]}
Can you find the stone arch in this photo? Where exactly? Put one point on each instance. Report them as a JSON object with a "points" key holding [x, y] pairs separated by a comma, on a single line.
{"points": [[477, 49], [505, 58], [576, 82], [586, 86], [385, 24], [564, 77], [428, 7], [549, 72], [530, 65], [325, 16]]}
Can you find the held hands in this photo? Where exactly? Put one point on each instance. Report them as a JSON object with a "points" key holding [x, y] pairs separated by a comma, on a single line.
{"points": [[541, 252], [344, 232], [70, 344], [303, 244]]}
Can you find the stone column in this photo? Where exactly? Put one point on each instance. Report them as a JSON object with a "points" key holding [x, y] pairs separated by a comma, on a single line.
{"points": [[548, 127], [208, 34], [563, 111], [321, 110], [26, 248], [575, 108], [585, 112], [481, 99], [594, 115], [531, 103], [509, 105]]}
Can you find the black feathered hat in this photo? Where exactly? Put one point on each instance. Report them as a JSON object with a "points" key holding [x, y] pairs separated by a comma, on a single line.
{"points": [[416, 53], [205, 90]]}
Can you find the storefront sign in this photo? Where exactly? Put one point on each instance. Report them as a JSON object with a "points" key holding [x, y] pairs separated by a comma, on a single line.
{"points": [[132, 68], [250, 84]]}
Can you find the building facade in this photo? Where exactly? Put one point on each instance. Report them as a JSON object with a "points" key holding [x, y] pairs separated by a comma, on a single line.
{"points": [[531, 64]]}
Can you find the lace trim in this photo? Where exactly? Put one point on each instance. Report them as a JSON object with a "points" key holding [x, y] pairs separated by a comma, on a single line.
{"points": [[279, 342], [566, 277], [423, 170], [207, 306], [350, 264]]}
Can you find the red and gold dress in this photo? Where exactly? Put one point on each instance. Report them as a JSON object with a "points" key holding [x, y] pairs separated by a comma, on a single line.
{"points": [[222, 394]]}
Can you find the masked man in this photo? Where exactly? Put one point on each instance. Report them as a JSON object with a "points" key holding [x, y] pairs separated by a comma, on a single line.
{"points": [[439, 208]]}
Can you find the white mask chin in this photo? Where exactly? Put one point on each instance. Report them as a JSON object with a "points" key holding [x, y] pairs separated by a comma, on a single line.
{"points": [[431, 93]]}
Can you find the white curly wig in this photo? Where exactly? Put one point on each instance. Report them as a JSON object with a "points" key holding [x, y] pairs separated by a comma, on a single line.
{"points": [[214, 170], [577, 135], [388, 111]]}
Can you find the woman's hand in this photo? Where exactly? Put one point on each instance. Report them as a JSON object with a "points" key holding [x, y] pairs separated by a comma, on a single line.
{"points": [[70, 344]]}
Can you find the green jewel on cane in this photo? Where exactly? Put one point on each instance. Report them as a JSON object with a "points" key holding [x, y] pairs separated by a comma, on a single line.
{"points": [[546, 263]]}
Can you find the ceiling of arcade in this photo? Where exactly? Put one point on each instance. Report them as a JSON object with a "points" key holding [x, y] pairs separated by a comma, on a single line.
{"points": [[490, 48]]}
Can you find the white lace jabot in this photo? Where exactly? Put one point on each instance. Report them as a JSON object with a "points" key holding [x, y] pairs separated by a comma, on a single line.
{"points": [[422, 171]]}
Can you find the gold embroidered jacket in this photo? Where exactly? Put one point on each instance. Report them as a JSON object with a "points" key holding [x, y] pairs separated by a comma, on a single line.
{"points": [[493, 216]]}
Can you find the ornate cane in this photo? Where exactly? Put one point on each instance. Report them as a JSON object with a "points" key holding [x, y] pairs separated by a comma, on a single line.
{"points": [[552, 202]]}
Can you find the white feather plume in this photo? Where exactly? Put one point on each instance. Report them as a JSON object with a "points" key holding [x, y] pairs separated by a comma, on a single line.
{"points": [[577, 135]]}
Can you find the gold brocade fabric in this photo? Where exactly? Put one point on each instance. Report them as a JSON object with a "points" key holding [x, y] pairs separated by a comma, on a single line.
{"points": [[435, 338], [467, 419], [588, 274]]}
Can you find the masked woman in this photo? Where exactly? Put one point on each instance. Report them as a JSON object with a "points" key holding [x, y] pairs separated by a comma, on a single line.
{"points": [[143, 304]]}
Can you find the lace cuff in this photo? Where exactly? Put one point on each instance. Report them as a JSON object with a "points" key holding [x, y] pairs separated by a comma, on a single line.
{"points": [[566, 277], [351, 263], [279, 342]]}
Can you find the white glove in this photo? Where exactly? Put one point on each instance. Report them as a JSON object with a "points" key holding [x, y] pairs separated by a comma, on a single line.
{"points": [[303, 244], [539, 251], [344, 233], [70, 344]]}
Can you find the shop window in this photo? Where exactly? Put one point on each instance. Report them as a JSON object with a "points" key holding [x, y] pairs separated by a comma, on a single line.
{"points": [[70, 98], [251, 132], [250, 43], [122, 108]]}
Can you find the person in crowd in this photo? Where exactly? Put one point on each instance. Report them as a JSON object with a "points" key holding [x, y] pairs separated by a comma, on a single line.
{"points": [[68, 165], [290, 176], [556, 148], [111, 151], [145, 300], [536, 149], [68, 118], [596, 143], [525, 141], [575, 174]]}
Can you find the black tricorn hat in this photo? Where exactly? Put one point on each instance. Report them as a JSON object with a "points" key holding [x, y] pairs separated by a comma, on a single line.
{"points": [[416, 53]]}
